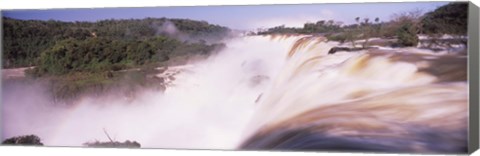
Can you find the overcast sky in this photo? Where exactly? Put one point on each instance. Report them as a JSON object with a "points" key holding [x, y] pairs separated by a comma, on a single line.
{"points": [[236, 17]]}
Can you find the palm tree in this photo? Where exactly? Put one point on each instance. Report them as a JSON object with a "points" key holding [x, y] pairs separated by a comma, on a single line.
{"points": [[352, 33], [366, 20], [378, 26], [366, 32]]}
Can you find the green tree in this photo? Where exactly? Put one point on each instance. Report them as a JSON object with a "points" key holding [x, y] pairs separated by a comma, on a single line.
{"points": [[448, 19], [26, 40], [406, 26], [407, 35]]}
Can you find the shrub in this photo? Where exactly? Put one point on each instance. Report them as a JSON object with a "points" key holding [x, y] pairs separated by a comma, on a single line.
{"points": [[406, 35], [337, 37], [24, 140]]}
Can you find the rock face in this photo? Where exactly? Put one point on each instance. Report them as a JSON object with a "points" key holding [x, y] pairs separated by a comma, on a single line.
{"points": [[14, 72], [346, 49], [167, 74], [24, 140]]}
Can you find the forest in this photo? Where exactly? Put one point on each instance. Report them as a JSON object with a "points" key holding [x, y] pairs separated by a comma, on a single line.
{"points": [[112, 42], [78, 57]]}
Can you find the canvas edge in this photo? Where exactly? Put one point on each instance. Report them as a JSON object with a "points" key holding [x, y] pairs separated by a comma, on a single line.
{"points": [[473, 62], [1, 83], [473, 77]]}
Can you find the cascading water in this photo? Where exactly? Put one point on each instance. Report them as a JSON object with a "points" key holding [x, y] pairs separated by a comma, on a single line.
{"points": [[261, 87], [207, 106], [395, 101]]}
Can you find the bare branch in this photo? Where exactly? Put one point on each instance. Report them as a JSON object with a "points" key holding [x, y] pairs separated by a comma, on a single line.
{"points": [[105, 131]]}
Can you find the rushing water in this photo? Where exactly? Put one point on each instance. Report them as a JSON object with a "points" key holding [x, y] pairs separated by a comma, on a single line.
{"points": [[262, 90]]}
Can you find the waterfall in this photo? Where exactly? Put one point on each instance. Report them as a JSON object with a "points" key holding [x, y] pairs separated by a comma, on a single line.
{"points": [[261, 91], [392, 101]]}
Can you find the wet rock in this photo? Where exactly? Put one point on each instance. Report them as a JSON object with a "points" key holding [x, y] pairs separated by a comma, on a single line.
{"points": [[346, 49]]}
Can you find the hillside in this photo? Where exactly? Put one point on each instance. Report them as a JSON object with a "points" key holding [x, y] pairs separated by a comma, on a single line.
{"points": [[26, 40], [75, 58]]}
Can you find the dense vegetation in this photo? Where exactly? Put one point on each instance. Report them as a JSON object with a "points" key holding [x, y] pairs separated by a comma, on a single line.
{"points": [[448, 19], [92, 57], [404, 27], [105, 54], [308, 28], [26, 40]]}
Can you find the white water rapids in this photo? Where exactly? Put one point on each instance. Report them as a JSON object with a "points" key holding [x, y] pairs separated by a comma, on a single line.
{"points": [[218, 103]]}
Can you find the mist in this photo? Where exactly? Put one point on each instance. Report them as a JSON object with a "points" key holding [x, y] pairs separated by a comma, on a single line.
{"points": [[168, 28], [261, 84], [209, 105]]}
